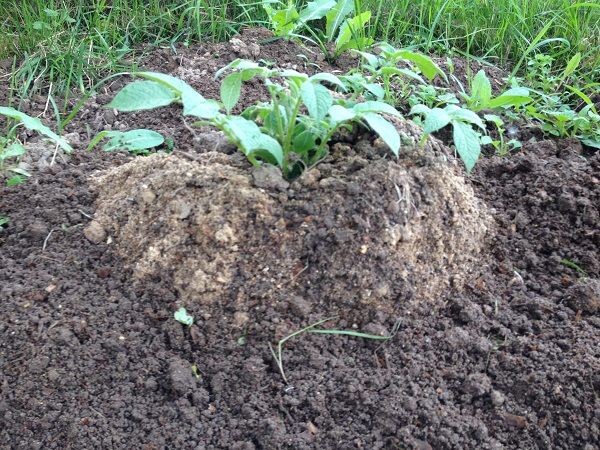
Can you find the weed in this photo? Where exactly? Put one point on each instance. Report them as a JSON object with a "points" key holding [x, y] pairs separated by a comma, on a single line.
{"points": [[555, 104], [502, 146], [278, 352], [573, 265], [4, 221], [343, 31]]}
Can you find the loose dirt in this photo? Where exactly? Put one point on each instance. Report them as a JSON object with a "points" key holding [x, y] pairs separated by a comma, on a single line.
{"points": [[91, 357]]}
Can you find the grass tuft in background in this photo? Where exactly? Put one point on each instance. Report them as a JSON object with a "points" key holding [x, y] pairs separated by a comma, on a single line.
{"points": [[66, 44]]}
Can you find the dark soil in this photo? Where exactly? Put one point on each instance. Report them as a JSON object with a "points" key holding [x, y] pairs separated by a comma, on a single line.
{"points": [[91, 358]]}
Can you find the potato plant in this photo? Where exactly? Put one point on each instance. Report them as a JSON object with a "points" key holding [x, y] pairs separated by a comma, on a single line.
{"points": [[291, 130], [466, 139], [375, 77]]}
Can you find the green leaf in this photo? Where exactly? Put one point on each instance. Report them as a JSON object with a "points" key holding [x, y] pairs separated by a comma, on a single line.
{"points": [[194, 104], [284, 20], [386, 131], [4, 221], [336, 17], [142, 95], [19, 171], [339, 114], [377, 107], [303, 142], [435, 120], [250, 139], [39, 25], [231, 88], [496, 120], [572, 66], [294, 76], [12, 151], [132, 141], [372, 60], [512, 97], [419, 109], [315, 10], [317, 99], [467, 144], [481, 89], [464, 115], [15, 180], [328, 77], [389, 71], [51, 12], [241, 65], [182, 316], [350, 29], [35, 124], [207, 109], [425, 64], [375, 89], [591, 143]]}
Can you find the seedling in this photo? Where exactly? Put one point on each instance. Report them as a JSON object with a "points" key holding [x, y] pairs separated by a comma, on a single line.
{"points": [[3, 221], [573, 265], [502, 146], [291, 131], [278, 353], [466, 140], [196, 371], [182, 316]]}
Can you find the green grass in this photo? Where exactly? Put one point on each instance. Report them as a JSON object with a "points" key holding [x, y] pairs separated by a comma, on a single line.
{"points": [[70, 43], [66, 44], [501, 31]]}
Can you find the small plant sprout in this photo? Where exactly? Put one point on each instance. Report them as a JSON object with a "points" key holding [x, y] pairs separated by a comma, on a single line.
{"points": [[182, 316], [573, 265], [196, 371], [3, 221], [291, 131], [502, 146], [278, 352]]}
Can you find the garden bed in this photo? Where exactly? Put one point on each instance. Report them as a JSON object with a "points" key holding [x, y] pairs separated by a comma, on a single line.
{"points": [[91, 356]]}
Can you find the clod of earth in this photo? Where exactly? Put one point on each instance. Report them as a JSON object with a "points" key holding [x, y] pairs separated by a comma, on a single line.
{"points": [[366, 233]]}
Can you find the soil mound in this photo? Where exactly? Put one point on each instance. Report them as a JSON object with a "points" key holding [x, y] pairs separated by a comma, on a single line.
{"points": [[360, 230]]}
